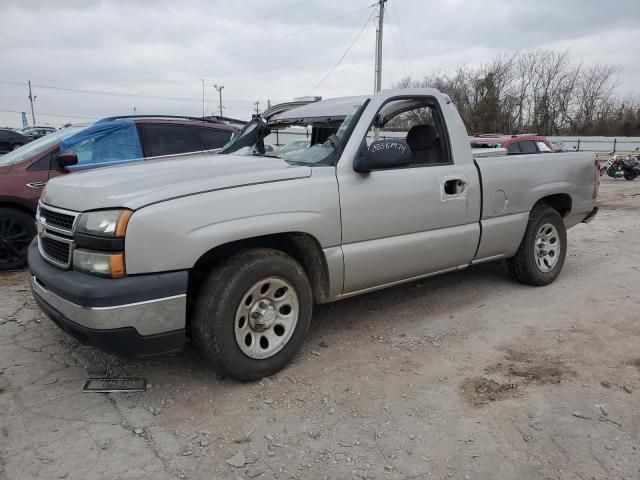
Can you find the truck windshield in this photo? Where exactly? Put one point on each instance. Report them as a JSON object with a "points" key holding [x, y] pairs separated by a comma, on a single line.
{"points": [[298, 141]]}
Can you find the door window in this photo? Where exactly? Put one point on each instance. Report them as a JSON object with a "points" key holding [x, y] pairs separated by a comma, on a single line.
{"points": [[419, 123], [528, 146], [105, 142], [169, 140], [514, 149], [213, 137], [43, 163]]}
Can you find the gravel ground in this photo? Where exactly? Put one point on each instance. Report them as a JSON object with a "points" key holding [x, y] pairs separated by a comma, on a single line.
{"points": [[464, 376]]}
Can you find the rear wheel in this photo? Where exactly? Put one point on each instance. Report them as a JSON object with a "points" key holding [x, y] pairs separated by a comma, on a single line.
{"points": [[630, 176], [541, 254], [252, 313], [17, 228]]}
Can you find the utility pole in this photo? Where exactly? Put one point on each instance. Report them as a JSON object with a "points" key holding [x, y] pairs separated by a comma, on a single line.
{"points": [[134, 111], [31, 99], [202, 80], [378, 77], [257, 104], [219, 89]]}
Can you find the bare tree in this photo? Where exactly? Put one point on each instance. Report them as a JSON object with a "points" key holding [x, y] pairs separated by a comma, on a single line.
{"points": [[544, 91]]}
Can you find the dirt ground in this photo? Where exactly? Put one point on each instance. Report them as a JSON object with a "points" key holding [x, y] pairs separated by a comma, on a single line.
{"points": [[463, 376]]}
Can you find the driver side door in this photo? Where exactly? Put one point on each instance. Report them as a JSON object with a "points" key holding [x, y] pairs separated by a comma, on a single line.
{"points": [[405, 223]]}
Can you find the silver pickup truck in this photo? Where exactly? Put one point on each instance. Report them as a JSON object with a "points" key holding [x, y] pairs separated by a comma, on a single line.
{"points": [[232, 250]]}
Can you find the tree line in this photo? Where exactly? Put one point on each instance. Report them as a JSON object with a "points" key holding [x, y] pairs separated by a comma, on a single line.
{"points": [[540, 91]]}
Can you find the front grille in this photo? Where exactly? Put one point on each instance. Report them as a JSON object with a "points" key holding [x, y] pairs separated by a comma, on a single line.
{"points": [[57, 219], [55, 249]]}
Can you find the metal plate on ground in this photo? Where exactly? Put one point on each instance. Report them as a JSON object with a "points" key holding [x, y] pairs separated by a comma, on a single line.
{"points": [[113, 385]]}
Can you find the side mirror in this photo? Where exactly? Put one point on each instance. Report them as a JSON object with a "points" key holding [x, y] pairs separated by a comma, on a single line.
{"points": [[67, 159], [391, 153]]}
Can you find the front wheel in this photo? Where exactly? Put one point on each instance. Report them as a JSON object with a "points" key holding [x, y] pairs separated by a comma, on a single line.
{"points": [[17, 228], [541, 254], [16, 146], [252, 314]]}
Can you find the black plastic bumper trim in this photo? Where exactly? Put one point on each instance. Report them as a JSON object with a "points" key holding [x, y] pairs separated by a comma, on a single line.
{"points": [[124, 342], [93, 291]]}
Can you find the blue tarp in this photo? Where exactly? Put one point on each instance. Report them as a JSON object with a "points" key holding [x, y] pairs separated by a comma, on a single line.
{"points": [[106, 142]]}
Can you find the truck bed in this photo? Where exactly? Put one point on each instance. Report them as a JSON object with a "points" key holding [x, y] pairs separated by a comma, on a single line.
{"points": [[512, 184]]}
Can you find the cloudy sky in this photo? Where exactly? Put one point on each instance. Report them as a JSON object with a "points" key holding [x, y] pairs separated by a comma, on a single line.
{"points": [[79, 54]]}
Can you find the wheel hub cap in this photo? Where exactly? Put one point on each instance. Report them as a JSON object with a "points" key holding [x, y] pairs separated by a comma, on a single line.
{"points": [[262, 315], [546, 248], [266, 317]]}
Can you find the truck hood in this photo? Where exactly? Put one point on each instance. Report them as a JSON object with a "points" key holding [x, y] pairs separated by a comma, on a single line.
{"points": [[134, 186]]}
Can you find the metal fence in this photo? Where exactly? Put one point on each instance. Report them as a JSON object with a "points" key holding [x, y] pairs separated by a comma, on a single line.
{"points": [[597, 144]]}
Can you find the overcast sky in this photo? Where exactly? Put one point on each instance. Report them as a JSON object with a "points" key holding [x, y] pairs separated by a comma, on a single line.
{"points": [[275, 50]]}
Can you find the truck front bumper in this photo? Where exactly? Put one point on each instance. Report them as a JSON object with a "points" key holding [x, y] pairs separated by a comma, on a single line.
{"points": [[134, 316]]}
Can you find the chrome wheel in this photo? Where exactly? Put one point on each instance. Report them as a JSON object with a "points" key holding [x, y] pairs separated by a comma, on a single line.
{"points": [[266, 317], [547, 248]]}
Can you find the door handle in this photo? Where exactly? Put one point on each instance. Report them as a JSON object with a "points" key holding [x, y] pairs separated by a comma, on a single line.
{"points": [[455, 186], [36, 185]]}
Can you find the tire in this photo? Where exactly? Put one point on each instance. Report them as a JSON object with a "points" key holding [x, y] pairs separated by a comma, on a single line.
{"points": [[630, 176], [225, 299], [528, 266], [17, 228], [16, 146]]}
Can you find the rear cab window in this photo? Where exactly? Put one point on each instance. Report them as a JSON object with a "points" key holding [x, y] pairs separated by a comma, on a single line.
{"points": [[165, 139]]}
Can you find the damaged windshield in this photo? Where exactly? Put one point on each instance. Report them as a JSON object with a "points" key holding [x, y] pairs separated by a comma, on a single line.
{"points": [[298, 141]]}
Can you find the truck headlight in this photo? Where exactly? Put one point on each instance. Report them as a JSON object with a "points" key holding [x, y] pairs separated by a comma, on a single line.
{"points": [[109, 223], [104, 264]]}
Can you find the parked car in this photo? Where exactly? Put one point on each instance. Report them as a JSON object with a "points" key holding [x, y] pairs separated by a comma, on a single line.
{"points": [[37, 131], [234, 250], [112, 141], [525, 143], [11, 140]]}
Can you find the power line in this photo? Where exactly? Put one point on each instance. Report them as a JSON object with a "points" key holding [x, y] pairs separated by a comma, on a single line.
{"points": [[343, 55], [259, 45], [54, 115], [297, 32], [131, 95], [188, 99], [108, 93], [395, 44], [218, 34], [404, 45]]}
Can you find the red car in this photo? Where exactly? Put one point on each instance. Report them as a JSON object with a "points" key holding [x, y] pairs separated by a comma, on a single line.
{"points": [[111, 141], [515, 144]]}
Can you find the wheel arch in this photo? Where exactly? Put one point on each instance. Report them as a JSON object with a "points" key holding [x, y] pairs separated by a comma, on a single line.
{"points": [[302, 247], [560, 202], [18, 204]]}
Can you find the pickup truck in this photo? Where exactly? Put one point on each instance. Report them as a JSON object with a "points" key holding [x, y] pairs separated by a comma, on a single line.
{"points": [[233, 250]]}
